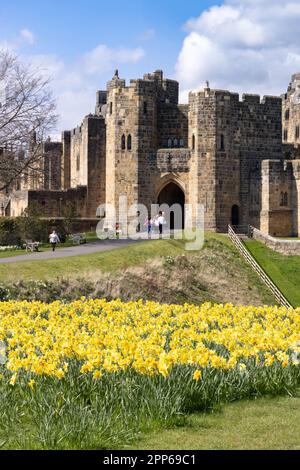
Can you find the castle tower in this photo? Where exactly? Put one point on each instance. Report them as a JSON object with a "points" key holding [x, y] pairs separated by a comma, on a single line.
{"points": [[131, 137], [202, 142], [88, 161], [291, 112]]}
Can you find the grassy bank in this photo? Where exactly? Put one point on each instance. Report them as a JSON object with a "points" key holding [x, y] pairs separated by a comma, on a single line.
{"points": [[159, 270], [283, 270], [80, 265]]}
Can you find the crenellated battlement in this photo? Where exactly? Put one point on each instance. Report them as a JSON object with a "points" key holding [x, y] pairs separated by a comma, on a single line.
{"points": [[225, 95]]}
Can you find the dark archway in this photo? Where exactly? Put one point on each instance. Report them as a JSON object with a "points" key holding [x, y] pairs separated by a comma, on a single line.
{"points": [[170, 195], [235, 216]]}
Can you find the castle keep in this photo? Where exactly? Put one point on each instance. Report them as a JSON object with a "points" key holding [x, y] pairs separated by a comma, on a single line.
{"points": [[240, 159]]}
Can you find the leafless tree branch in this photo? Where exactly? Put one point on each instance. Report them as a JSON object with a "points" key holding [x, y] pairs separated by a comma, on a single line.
{"points": [[27, 117]]}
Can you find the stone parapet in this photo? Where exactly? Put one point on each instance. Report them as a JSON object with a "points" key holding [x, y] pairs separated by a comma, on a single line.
{"points": [[285, 247]]}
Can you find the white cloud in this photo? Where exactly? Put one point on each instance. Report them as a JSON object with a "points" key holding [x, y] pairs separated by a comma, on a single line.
{"points": [[75, 84], [27, 36], [242, 45], [103, 58]]}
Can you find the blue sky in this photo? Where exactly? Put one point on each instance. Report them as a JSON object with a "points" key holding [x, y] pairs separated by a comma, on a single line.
{"points": [[241, 45], [69, 28]]}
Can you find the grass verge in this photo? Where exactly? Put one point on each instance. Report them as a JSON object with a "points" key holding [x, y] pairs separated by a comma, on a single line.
{"points": [[283, 270], [160, 270], [79, 265], [246, 425]]}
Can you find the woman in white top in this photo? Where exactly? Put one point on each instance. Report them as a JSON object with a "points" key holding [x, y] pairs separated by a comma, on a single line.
{"points": [[54, 240]]}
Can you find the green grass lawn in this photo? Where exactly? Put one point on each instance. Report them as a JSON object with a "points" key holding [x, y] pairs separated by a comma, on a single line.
{"points": [[283, 270], [264, 424], [106, 262], [110, 261]]}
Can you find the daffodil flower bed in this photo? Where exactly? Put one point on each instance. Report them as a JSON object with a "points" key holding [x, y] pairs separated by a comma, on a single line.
{"points": [[109, 369]]}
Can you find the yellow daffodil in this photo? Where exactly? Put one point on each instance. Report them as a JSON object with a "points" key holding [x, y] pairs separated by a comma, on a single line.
{"points": [[197, 375]]}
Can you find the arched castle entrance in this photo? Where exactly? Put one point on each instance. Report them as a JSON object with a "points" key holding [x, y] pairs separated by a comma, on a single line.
{"points": [[173, 194]]}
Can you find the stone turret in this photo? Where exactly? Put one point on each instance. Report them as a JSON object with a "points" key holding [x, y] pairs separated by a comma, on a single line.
{"points": [[291, 112]]}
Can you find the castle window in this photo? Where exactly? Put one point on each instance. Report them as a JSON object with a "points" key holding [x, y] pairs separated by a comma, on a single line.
{"points": [[222, 143], [285, 135], [78, 162], [297, 132], [169, 143], [129, 142], [284, 199], [181, 143], [193, 142], [281, 199], [287, 115], [123, 144], [110, 108], [145, 107], [175, 143]]}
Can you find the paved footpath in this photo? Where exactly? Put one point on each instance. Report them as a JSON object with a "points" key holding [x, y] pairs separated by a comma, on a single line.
{"points": [[88, 249]]}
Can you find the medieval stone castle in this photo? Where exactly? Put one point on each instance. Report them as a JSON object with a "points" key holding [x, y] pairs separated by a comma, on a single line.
{"points": [[240, 159]]}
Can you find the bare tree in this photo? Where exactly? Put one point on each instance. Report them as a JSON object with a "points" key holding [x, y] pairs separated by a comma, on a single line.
{"points": [[27, 116]]}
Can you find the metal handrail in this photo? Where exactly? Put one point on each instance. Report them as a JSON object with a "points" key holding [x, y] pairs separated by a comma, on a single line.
{"points": [[257, 268]]}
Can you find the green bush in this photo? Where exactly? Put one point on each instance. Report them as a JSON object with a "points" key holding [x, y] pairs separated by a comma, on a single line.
{"points": [[10, 234], [14, 231]]}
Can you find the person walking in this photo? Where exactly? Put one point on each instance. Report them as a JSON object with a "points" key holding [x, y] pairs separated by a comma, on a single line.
{"points": [[54, 240], [161, 221], [149, 225], [138, 227]]}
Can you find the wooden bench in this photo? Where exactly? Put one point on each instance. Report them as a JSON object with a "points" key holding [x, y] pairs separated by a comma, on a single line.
{"points": [[32, 246], [79, 239]]}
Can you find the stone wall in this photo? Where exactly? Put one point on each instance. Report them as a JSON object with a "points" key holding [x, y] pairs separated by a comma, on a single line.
{"points": [[52, 165], [81, 225], [122, 142], [53, 203], [248, 132], [88, 161], [96, 188], [66, 160], [291, 151], [173, 160], [231, 139], [172, 125], [277, 198], [18, 203], [291, 112], [79, 155], [285, 247], [202, 142]]}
